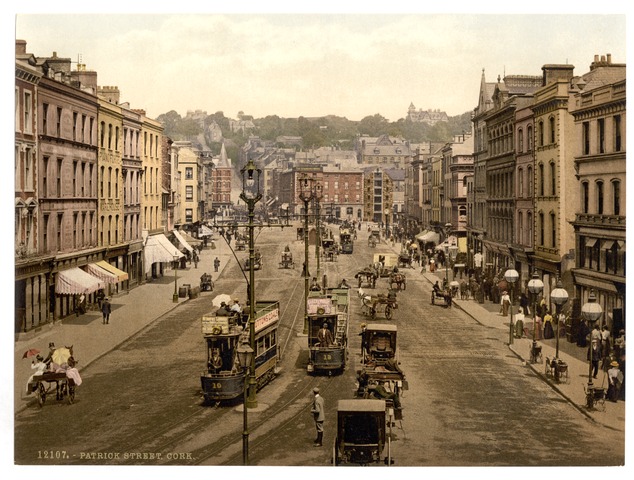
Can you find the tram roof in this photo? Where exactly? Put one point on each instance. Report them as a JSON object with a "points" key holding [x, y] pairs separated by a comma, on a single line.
{"points": [[386, 327], [361, 405]]}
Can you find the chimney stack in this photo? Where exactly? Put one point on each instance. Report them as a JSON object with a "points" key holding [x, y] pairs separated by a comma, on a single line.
{"points": [[20, 47]]}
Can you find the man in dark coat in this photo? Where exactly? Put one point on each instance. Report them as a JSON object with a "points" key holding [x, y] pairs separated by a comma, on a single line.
{"points": [[105, 310]]}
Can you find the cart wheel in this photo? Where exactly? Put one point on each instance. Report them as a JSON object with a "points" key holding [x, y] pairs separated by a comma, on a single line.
{"points": [[388, 312], [41, 394]]}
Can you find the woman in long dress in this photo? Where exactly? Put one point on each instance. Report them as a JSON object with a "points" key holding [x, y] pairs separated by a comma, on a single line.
{"points": [[519, 323], [548, 325]]}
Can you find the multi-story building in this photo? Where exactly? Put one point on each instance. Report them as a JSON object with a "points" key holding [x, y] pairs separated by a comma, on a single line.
{"points": [[221, 184], [457, 165], [151, 200], [598, 107], [377, 196], [191, 168], [342, 193], [30, 278]]}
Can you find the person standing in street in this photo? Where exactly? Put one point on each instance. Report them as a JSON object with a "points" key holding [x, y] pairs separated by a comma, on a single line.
{"points": [[594, 355], [105, 310], [216, 264], [319, 415], [505, 303]]}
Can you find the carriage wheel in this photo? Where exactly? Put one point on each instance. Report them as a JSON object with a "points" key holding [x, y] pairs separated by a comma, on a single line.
{"points": [[388, 311], [41, 394]]}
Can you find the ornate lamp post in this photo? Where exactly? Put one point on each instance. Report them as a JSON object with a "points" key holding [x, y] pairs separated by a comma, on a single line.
{"points": [[591, 312], [559, 296], [318, 196], [251, 195], [175, 296], [535, 287], [306, 195], [387, 224], [245, 357], [511, 277]]}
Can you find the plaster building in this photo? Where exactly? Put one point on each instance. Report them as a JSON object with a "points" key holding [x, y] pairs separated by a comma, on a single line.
{"points": [[342, 193], [221, 176], [191, 168], [430, 117], [598, 107], [378, 197], [457, 166], [383, 151]]}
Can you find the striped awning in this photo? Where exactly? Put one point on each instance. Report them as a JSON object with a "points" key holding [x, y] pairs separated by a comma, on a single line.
{"points": [[205, 231], [75, 281], [159, 249], [106, 272], [182, 241]]}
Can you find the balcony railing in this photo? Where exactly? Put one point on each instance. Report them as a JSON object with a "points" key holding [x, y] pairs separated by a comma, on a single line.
{"points": [[596, 219]]}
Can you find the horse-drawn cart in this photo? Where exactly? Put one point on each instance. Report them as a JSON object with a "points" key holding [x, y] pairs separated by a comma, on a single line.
{"points": [[206, 283], [372, 304], [366, 278], [398, 279], [287, 260], [64, 387]]}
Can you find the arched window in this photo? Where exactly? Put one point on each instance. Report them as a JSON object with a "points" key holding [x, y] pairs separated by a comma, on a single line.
{"points": [[520, 182], [529, 174], [541, 228], [520, 140], [540, 134], [599, 197], [553, 227], [585, 197], [553, 179], [540, 179], [616, 197], [520, 228], [551, 129], [529, 138]]}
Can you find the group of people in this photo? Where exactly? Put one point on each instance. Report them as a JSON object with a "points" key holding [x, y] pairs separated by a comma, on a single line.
{"points": [[43, 365]]}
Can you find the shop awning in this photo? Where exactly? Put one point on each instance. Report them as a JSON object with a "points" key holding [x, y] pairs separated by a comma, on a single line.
{"points": [[182, 241], [429, 237], [106, 272], [205, 231], [159, 249], [191, 240], [75, 281]]}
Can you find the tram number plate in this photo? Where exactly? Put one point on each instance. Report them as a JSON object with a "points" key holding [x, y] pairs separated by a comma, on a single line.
{"points": [[326, 356], [216, 386]]}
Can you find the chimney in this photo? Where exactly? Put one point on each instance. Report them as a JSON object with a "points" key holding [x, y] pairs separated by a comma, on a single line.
{"points": [[111, 94], [87, 80], [553, 73], [609, 58], [20, 47]]}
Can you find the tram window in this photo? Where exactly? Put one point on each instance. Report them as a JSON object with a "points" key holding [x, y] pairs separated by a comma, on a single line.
{"points": [[260, 347], [267, 342], [273, 338]]}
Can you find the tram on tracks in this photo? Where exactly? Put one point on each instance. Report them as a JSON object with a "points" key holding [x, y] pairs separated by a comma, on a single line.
{"points": [[224, 378], [328, 316]]}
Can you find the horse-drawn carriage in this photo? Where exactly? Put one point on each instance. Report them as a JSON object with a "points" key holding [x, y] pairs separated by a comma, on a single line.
{"points": [[398, 280], [287, 260], [362, 437], [64, 387], [405, 260], [257, 264], [206, 283], [438, 297], [241, 244], [372, 304], [330, 249], [367, 277]]}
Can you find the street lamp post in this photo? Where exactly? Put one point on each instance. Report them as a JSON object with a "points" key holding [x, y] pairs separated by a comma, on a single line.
{"points": [[591, 312], [535, 287], [306, 195], [175, 296], [318, 195], [511, 277], [251, 195], [387, 224], [245, 356], [559, 296]]}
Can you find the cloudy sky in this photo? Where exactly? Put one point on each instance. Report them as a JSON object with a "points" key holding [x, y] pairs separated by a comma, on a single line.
{"points": [[292, 63]]}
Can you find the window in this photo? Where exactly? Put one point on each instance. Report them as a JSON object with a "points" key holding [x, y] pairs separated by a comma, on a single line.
{"points": [[45, 233], [585, 199], [45, 118], [540, 179], [28, 169], [551, 128], [616, 197], [189, 215], [529, 172], [60, 222], [541, 229], [75, 172], [109, 182], [600, 197], [59, 177], [553, 179], [529, 136], [116, 139], [102, 134], [28, 120], [189, 173], [116, 183], [520, 140], [75, 218], [101, 180], [189, 193], [45, 176], [585, 138], [601, 134], [520, 183], [553, 233], [83, 128], [540, 134], [59, 122], [82, 180], [90, 180], [74, 126], [617, 133]]}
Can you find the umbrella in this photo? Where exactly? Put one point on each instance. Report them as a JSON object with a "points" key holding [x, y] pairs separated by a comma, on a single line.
{"points": [[454, 283], [223, 297], [30, 352], [61, 355]]}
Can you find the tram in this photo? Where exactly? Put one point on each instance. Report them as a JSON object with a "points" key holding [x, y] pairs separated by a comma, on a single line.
{"points": [[328, 330], [346, 239], [223, 378]]}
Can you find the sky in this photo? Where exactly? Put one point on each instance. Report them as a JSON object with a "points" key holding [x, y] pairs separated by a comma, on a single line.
{"points": [[291, 63]]}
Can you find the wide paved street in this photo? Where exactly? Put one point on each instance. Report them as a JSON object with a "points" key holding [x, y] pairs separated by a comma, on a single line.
{"points": [[470, 400]]}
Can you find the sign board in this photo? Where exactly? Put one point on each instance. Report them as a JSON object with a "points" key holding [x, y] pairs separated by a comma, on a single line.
{"points": [[314, 304], [211, 322], [269, 318]]}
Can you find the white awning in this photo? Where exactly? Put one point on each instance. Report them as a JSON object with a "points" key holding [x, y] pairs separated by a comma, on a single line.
{"points": [[75, 281], [182, 241], [205, 231], [191, 240], [159, 249], [429, 237], [106, 272]]}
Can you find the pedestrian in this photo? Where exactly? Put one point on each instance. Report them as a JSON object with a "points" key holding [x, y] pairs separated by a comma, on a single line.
{"points": [[319, 415], [549, 332], [505, 303], [195, 255], [519, 323], [524, 303], [605, 347], [594, 355], [105, 310], [325, 336], [39, 367], [615, 379], [216, 264], [364, 341]]}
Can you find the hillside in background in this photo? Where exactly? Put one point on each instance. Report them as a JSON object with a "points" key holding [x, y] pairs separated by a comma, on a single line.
{"points": [[315, 132]]}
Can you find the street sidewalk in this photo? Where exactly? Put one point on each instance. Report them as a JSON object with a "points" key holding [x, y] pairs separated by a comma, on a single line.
{"points": [[487, 314], [132, 311]]}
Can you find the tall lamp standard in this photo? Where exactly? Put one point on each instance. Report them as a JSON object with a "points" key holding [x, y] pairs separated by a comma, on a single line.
{"points": [[175, 296], [559, 296], [318, 195], [251, 195], [245, 357], [387, 224], [535, 287], [591, 312], [306, 195], [511, 277], [447, 232]]}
